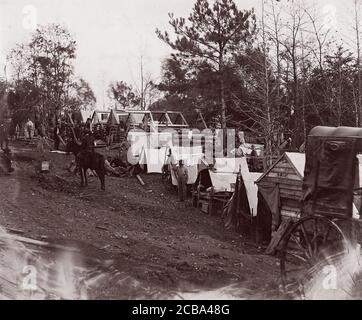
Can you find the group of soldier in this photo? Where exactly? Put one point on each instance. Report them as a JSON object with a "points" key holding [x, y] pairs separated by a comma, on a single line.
{"points": [[76, 137]]}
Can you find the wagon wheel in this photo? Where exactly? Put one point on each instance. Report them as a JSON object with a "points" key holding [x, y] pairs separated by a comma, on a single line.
{"points": [[306, 243]]}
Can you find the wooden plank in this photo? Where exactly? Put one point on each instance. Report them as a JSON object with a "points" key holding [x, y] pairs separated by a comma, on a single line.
{"points": [[283, 170], [291, 203], [291, 208], [61, 140], [291, 214], [286, 193], [291, 196], [294, 209], [283, 180], [204, 207], [278, 236], [287, 189], [284, 164], [290, 187], [287, 176]]}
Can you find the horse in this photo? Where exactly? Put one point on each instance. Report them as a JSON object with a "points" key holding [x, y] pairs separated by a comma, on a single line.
{"points": [[86, 159], [94, 161]]}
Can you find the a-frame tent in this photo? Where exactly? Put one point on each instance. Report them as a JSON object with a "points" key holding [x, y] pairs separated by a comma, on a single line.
{"points": [[100, 117], [139, 119], [117, 117]]}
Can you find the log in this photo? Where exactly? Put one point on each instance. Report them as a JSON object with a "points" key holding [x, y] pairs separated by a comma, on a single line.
{"points": [[140, 180], [37, 242], [14, 230], [101, 228]]}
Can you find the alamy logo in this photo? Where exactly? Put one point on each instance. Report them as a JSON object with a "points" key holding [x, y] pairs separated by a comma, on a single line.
{"points": [[329, 17], [30, 278], [330, 279], [30, 19]]}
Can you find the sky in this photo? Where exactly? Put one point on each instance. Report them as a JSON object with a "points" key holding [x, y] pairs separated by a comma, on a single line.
{"points": [[111, 34]]}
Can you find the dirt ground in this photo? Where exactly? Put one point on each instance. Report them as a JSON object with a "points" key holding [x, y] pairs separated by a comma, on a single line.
{"points": [[140, 232]]}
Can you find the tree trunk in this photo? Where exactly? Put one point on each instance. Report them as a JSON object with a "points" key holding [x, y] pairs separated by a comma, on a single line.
{"points": [[223, 103], [359, 104], [297, 125]]}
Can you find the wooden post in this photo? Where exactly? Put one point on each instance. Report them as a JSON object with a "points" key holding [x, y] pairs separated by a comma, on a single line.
{"points": [[237, 188], [211, 198], [278, 236], [61, 140]]}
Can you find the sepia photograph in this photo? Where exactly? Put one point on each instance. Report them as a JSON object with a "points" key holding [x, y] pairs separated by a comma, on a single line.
{"points": [[203, 151]]}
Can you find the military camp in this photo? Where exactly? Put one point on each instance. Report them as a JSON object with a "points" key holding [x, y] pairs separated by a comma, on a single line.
{"points": [[180, 150]]}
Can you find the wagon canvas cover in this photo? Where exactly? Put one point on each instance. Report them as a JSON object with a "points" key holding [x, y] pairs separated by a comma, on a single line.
{"points": [[331, 164]]}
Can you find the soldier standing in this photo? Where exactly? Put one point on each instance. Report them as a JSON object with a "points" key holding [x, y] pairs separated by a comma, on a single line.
{"points": [[182, 177]]}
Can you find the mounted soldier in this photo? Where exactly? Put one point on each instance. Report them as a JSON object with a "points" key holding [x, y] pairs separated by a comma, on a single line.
{"points": [[87, 144]]}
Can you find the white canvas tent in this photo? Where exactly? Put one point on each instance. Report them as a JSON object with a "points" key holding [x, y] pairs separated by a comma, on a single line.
{"points": [[160, 139], [82, 116], [138, 141], [230, 165], [155, 159], [222, 181], [297, 160], [117, 117], [100, 117], [224, 175], [145, 146], [191, 156], [251, 190], [85, 115], [247, 148]]}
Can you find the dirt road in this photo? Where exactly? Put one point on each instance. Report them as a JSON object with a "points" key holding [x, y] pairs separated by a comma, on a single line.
{"points": [[142, 232]]}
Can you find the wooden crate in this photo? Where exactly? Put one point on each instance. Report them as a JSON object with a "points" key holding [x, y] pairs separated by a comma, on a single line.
{"points": [[204, 206]]}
